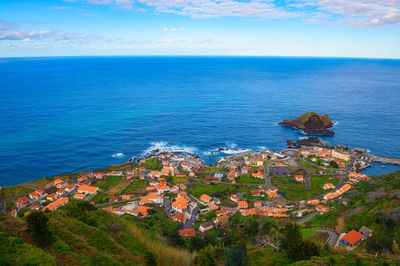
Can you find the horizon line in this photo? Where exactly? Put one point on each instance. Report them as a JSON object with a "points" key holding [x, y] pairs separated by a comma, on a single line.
{"points": [[199, 55]]}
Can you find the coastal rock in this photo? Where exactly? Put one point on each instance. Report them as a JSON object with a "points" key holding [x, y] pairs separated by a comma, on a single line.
{"points": [[311, 123]]}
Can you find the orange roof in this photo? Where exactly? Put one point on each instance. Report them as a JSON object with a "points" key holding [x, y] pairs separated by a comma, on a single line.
{"points": [[352, 237], [257, 203], [161, 187], [89, 189], [257, 174], [143, 210], [155, 173], [22, 199], [320, 207], [56, 203], [243, 203], [205, 197], [148, 198], [150, 188], [187, 232], [70, 186], [79, 196]]}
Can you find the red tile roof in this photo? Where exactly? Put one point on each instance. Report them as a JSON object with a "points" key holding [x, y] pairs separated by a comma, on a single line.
{"points": [[352, 237], [187, 232]]}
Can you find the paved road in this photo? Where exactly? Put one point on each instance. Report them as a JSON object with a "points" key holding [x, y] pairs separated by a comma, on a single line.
{"points": [[333, 236], [4, 203], [306, 218], [267, 177], [189, 222]]}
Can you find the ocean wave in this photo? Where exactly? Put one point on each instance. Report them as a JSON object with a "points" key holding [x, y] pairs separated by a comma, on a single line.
{"points": [[163, 146], [119, 154], [228, 151]]}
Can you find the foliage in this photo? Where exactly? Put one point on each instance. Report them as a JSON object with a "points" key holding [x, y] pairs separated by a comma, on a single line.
{"points": [[153, 163], [37, 226], [293, 244], [237, 256], [205, 258]]}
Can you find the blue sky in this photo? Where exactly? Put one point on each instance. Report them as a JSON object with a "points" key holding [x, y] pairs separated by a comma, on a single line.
{"points": [[339, 28]]}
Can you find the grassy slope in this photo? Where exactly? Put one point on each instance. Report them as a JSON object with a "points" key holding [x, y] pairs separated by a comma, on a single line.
{"points": [[101, 239]]}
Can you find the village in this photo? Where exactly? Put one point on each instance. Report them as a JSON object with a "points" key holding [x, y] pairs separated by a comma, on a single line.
{"points": [[294, 184]]}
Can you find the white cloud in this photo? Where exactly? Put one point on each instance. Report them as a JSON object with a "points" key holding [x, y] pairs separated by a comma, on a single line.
{"points": [[362, 12], [173, 29]]}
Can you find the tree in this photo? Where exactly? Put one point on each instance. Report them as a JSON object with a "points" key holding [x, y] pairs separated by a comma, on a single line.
{"points": [[237, 256], [334, 164], [205, 257], [37, 226], [196, 243], [293, 244]]}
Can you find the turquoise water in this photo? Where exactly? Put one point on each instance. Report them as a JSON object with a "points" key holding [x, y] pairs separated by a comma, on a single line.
{"points": [[67, 114]]}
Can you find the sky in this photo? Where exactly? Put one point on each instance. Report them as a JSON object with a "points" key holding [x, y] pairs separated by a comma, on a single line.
{"points": [[329, 28]]}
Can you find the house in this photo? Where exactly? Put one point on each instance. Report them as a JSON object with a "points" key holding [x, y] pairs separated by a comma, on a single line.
{"points": [[313, 202], [88, 189], [366, 232], [256, 161], [329, 186], [273, 189], [115, 173], [232, 176], [186, 166], [163, 188], [21, 202], [205, 227], [35, 208], [180, 204], [234, 198], [126, 197], [70, 188], [113, 198], [257, 204], [217, 177], [221, 212], [152, 188], [339, 155], [14, 213], [205, 198], [56, 204], [79, 196], [54, 183], [52, 197], [321, 209], [99, 175], [178, 217], [352, 238], [299, 178], [151, 198], [142, 211], [60, 192], [34, 195], [243, 205], [272, 194], [221, 219], [155, 174], [61, 184], [187, 232], [245, 169], [258, 175]]}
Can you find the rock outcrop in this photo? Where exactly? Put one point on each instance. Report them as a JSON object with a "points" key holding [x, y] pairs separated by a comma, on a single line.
{"points": [[312, 123]]}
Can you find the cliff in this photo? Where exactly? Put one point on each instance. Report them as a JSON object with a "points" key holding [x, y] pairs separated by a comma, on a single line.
{"points": [[312, 123]]}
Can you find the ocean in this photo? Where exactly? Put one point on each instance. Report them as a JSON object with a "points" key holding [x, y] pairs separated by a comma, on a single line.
{"points": [[68, 114]]}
